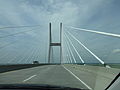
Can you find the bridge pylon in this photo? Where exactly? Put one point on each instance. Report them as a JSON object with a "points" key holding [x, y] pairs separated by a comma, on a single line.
{"points": [[52, 44]]}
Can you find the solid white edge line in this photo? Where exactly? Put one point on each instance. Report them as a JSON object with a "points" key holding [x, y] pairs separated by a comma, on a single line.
{"points": [[29, 78], [77, 78]]}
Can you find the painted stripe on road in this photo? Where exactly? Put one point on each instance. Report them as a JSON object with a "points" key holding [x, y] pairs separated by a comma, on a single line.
{"points": [[77, 78], [29, 78]]}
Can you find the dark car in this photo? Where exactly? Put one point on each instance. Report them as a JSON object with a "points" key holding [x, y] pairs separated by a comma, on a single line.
{"points": [[35, 62]]}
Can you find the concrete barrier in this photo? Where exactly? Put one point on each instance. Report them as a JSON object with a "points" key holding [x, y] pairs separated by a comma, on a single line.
{"points": [[6, 68]]}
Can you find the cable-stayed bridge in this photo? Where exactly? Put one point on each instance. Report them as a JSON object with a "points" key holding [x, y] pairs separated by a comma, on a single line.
{"points": [[67, 39], [25, 44]]}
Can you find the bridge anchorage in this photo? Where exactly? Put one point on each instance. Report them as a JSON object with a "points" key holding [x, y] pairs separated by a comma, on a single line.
{"points": [[52, 44]]}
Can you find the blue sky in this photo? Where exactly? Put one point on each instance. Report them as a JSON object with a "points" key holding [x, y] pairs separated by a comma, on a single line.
{"points": [[101, 15]]}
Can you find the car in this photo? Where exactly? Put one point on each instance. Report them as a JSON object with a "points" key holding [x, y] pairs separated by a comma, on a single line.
{"points": [[35, 62]]}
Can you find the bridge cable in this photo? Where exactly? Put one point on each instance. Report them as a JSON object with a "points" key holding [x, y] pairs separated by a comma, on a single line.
{"points": [[31, 55], [75, 49], [70, 50], [19, 56], [98, 32], [65, 58], [86, 48], [18, 33], [18, 26], [65, 53]]}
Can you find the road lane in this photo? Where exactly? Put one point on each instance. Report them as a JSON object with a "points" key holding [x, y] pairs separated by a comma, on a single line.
{"points": [[98, 78], [50, 75], [18, 76], [78, 78], [57, 76]]}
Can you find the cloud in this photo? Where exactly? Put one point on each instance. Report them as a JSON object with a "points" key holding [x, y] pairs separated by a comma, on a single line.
{"points": [[116, 51], [43, 11]]}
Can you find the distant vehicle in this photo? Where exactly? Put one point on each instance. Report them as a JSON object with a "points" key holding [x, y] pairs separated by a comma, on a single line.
{"points": [[35, 62]]}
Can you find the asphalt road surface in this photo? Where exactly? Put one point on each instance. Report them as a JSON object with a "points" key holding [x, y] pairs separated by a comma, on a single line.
{"points": [[75, 76], [57, 75]]}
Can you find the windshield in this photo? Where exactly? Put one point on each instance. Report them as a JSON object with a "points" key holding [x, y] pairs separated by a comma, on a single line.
{"points": [[69, 43]]}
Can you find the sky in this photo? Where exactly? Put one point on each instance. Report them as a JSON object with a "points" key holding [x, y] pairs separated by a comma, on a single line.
{"points": [[99, 15]]}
